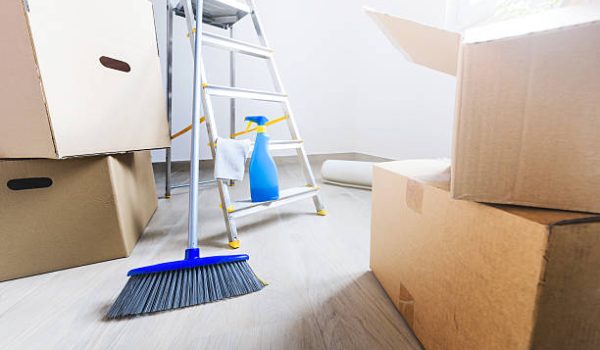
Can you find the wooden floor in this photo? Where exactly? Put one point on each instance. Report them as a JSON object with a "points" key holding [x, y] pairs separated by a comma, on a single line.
{"points": [[322, 294]]}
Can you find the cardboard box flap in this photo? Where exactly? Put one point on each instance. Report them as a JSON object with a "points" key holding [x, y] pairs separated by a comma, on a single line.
{"points": [[431, 47], [537, 23]]}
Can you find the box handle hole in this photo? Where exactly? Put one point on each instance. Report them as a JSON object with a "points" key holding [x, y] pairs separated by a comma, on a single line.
{"points": [[115, 64], [29, 183]]}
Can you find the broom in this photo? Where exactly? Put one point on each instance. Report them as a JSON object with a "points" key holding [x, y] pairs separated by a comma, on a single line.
{"points": [[184, 283], [194, 280]]}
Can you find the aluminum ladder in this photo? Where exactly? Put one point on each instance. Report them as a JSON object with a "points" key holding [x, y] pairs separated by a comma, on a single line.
{"points": [[224, 14]]}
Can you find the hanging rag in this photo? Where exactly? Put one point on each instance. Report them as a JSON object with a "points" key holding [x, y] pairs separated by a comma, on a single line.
{"points": [[230, 161]]}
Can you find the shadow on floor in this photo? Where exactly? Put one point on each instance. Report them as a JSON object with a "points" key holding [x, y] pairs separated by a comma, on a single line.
{"points": [[355, 316]]}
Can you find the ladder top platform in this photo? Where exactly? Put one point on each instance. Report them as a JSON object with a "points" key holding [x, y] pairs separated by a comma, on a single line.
{"points": [[219, 13]]}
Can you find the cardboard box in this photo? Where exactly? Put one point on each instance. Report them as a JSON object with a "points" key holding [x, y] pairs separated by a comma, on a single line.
{"points": [[467, 275], [57, 214], [527, 111], [79, 78]]}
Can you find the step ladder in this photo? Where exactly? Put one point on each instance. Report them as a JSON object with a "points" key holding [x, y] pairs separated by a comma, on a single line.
{"points": [[225, 14]]}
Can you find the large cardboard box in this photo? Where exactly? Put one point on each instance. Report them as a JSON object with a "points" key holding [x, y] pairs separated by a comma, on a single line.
{"points": [[56, 214], [79, 78], [467, 275], [527, 111]]}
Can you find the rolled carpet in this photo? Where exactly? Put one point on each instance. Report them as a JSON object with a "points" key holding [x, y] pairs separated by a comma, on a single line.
{"points": [[348, 173]]}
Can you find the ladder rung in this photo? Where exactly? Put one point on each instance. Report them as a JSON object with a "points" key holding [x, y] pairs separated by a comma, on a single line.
{"points": [[232, 92], [284, 144], [247, 207], [219, 41]]}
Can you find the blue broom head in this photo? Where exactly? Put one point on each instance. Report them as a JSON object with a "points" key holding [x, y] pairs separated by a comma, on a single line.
{"points": [[184, 283]]}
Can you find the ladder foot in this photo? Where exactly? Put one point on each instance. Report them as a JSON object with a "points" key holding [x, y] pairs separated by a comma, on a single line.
{"points": [[322, 212], [235, 244], [230, 209]]}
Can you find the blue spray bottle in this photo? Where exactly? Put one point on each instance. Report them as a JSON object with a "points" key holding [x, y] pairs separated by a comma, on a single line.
{"points": [[264, 181]]}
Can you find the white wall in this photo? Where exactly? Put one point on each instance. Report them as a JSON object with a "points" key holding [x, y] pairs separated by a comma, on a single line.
{"points": [[350, 89]]}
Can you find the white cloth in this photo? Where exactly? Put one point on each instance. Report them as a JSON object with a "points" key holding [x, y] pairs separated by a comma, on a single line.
{"points": [[230, 162]]}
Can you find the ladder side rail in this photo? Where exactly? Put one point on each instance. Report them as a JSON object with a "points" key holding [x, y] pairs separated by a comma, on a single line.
{"points": [[275, 74], [262, 38], [293, 127], [211, 127], [190, 22], [278, 83], [232, 83]]}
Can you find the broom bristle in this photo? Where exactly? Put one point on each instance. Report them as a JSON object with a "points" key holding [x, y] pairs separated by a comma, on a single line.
{"points": [[185, 287]]}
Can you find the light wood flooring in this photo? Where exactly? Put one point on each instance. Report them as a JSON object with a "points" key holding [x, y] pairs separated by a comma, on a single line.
{"points": [[322, 294]]}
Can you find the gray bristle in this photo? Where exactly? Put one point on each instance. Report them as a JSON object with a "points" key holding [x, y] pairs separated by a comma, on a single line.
{"points": [[182, 288]]}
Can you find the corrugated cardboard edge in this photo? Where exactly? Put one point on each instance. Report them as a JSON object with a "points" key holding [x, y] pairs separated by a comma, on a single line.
{"points": [[587, 220], [577, 15], [115, 153], [39, 74], [455, 168], [378, 171], [540, 290], [511, 202], [155, 31]]}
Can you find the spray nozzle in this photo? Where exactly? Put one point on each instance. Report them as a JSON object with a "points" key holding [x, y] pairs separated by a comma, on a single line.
{"points": [[259, 120]]}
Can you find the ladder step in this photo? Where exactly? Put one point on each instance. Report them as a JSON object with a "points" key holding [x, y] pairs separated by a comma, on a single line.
{"points": [[282, 145], [233, 92], [287, 196], [219, 41], [219, 13]]}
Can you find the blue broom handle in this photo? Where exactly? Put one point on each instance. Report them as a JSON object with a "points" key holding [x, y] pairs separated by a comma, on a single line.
{"points": [[195, 153]]}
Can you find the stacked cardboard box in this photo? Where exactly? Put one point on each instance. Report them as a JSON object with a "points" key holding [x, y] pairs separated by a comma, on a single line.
{"points": [[467, 275], [81, 102]]}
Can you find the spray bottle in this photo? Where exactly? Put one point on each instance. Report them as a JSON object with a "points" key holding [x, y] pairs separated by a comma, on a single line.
{"points": [[264, 181]]}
